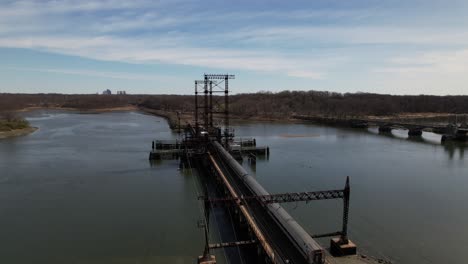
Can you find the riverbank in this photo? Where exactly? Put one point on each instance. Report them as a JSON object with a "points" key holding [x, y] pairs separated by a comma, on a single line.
{"points": [[81, 110], [17, 132], [187, 117], [15, 126], [170, 116]]}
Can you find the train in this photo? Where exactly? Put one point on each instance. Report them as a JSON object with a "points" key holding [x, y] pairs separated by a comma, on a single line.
{"points": [[312, 251]]}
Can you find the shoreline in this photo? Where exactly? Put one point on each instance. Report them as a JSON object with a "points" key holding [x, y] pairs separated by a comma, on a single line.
{"points": [[172, 118], [91, 110], [17, 132]]}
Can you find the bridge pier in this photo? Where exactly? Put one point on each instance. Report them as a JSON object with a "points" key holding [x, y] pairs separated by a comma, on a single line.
{"points": [[454, 137], [339, 248], [455, 133], [354, 123], [415, 132], [385, 129]]}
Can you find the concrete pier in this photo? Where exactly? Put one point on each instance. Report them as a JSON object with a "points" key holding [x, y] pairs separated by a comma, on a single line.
{"points": [[339, 249]]}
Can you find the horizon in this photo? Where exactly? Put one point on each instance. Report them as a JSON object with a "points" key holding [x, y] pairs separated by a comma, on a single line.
{"points": [[85, 47], [234, 94]]}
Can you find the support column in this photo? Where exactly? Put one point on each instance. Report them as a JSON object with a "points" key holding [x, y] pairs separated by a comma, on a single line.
{"points": [[385, 129], [344, 230], [226, 112], [342, 246], [211, 103], [196, 110], [415, 132], [205, 108]]}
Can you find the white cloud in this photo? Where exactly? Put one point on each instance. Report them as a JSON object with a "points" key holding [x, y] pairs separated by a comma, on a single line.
{"points": [[352, 35], [31, 7], [441, 72], [144, 50], [453, 62], [93, 73], [297, 44], [306, 74]]}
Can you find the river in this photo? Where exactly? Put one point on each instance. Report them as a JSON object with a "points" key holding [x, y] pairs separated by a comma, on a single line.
{"points": [[81, 190]]}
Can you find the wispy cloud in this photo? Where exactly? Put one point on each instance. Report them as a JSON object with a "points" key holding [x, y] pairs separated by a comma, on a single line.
{"points": [[453, 62], [142, 32], [302, 43], [141, 51], [441, 72], [94, 73]]}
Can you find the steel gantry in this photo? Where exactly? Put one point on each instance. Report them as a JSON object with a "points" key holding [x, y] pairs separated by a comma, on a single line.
{"points": [[294, 197], [207, 105]]}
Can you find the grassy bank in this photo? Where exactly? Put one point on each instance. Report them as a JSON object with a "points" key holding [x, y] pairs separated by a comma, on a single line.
{"points": [[13, 124], [14, 127]]}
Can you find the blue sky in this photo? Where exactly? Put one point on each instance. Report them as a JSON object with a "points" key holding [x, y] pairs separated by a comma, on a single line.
{"points": [[154, 47]]}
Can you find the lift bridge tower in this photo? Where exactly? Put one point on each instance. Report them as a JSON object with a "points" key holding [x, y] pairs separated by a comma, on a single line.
{"points": [[208, 102]]}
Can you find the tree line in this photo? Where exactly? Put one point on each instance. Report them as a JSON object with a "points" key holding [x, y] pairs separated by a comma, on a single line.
{"points": [[262, 104]]}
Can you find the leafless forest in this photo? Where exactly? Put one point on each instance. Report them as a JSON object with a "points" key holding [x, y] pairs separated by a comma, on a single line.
{"points": [[262, 105]]}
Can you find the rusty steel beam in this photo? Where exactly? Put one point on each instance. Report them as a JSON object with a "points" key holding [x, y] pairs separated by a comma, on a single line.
{"points": [[279, 198]]}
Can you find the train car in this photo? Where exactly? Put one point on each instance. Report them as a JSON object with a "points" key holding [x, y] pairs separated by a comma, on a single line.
{"points": [[312, 251]]}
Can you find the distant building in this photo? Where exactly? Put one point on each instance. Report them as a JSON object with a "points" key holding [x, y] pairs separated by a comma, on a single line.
{"points": [[107, 92], [121, 92]]}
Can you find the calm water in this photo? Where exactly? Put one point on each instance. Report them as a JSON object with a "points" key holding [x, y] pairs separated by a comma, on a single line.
{"points": [[408, 197], [81, 190]]}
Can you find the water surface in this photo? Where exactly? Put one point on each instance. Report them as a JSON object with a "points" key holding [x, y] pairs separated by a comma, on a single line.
{"points": [[408, 196], [81, 190]]}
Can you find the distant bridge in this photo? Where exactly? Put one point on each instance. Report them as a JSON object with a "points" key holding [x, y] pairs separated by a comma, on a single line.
{"points": [[448, 131]]}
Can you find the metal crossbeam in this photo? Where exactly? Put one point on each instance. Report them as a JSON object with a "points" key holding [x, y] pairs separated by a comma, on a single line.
{"points": [[219, 76], [208, 80], [279, 198], [294, 197], [328, 235]]}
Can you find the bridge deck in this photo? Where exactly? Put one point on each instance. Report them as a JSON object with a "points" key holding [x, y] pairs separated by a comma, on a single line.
{"points": [[281, 243], [284, 247]]}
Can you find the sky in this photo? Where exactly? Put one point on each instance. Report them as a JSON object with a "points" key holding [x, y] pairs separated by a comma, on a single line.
{"points": [[161, 47]]}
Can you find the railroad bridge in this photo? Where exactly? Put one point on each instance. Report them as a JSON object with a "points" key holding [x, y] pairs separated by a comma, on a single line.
{"points": [[457, 132], [261, 224]]}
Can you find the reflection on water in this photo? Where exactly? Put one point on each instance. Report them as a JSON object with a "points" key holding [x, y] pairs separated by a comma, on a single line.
{"points": [[407, 193], [453, 147], [81, 190]]}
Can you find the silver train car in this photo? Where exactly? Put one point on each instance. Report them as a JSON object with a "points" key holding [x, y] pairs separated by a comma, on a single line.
{"points": [[312, 251]]}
